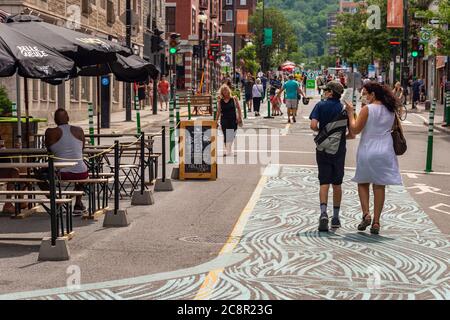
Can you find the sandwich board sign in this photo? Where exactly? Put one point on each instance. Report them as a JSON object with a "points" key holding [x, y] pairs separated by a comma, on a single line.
{"points": [[198, 150]]}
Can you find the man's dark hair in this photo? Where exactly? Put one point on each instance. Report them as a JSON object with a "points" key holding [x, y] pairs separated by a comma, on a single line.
{"points": [[61, 116], [336, 95]]}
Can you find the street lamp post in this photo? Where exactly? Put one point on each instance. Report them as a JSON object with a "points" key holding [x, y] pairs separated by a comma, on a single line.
{"points": [[128, 44], [202, 18], [234, 43]]}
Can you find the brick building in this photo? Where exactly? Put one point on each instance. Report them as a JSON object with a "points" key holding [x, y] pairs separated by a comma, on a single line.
{"points": [[229, 20], [102, 18], [185, 17]]}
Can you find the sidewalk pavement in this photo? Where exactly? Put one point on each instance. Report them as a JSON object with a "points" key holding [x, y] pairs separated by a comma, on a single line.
{"points": [[438, 118], [118, 124]]}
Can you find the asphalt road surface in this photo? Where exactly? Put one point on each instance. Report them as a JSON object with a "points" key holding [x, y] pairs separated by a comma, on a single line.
{"points": [[252, 234]]}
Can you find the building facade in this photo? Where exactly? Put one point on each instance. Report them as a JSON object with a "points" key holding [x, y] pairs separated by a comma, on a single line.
{"points": [[198, 22], [101, 18], [230, 20]]}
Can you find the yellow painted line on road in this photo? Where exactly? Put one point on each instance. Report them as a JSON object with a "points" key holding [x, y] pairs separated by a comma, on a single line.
{"points": [[213, 276]]}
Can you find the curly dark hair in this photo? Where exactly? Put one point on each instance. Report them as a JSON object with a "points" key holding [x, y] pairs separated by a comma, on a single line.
{"points": [[384, 94]]}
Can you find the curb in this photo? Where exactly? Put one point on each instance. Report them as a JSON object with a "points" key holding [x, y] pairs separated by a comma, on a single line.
{"points": [[438, 127]]}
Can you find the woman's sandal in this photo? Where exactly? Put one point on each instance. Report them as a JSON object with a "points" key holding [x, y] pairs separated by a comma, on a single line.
{"points": [[365, 222], [375, 229]]}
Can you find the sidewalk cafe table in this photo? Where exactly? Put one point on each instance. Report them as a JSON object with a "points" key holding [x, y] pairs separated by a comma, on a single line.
{"points": [[53, 196]]}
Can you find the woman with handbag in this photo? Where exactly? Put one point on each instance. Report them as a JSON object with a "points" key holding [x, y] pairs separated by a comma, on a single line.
{"points": [[229, 116], [376, 160]]}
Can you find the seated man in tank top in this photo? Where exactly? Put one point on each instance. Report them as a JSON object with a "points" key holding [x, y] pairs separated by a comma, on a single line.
{"points": [[67, 142]]}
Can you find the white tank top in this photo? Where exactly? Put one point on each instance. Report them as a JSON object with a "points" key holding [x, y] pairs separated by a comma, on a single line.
{"points": [[69, 148]]}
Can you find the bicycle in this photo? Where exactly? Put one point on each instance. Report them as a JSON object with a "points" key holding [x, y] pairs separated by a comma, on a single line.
{"points": [[402, 112]]}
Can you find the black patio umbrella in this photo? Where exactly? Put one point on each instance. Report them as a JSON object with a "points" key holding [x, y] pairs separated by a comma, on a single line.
{"points": [[127, 69], [82, 48], [30, 58]]}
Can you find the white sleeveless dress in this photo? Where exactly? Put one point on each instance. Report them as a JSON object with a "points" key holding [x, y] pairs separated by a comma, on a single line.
{"points": [[376, 161]]}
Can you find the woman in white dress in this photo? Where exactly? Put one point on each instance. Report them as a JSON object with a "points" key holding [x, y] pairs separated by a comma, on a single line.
{"points": [[376, 162]]}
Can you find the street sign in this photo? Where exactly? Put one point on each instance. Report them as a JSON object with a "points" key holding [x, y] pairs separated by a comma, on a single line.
{"points": [[434, 21], [310, 87], [425, 35], [268, 36], [371, 71]]}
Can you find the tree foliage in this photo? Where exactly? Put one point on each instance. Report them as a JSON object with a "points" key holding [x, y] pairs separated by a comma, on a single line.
{"points": [[284, 38], [443, 34], [5, 103], [248, 55]]}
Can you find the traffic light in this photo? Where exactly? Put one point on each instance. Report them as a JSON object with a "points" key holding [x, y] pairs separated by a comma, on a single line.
{"points": [[174, 42], [415, 48], [158, 42], [211, 55], [214, 45]]}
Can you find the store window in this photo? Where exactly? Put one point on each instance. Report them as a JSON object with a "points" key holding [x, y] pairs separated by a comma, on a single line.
{"points": [[75, 89], [44, 87], [85, 88]]}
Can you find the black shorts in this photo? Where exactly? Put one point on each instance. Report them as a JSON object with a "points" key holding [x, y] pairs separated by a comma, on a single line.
{"points": [[331, 168]]}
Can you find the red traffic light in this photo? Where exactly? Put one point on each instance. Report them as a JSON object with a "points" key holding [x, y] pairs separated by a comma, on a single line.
{"points": [[394, 42]]}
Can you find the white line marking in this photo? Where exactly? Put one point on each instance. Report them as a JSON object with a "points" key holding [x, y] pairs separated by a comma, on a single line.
{"points": [[411, 175], [435, 208]]}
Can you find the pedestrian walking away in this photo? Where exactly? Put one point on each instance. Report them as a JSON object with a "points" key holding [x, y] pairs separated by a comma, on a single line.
{"points": [[229, 116], [257, 94], [292, 89], [142, 95], [330, 120], [376, 161], [163, 92], [248, 88]]}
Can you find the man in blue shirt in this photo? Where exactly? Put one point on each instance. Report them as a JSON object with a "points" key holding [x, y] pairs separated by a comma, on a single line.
{"points": [[292, 89], [330, 166]]}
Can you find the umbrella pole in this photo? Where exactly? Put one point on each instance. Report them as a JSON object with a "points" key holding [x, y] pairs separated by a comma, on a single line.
{"points": [[18, 143], [27, 113]]}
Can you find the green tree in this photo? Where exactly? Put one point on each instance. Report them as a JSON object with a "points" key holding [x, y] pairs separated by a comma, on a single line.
{"points": [[248, 55], [284, 40], [5, 103], [440, 32], [358, 44]]}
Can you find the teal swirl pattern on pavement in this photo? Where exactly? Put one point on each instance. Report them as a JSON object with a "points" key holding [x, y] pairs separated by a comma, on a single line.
{"points": [[285, 257]]}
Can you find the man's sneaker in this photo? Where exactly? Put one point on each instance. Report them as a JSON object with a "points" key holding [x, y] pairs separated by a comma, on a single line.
{"points": [[294, 119], [323, 224], [335, 222]]}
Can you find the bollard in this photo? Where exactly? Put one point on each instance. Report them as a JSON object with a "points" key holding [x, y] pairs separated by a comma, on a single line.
{"points": [[245, 109], [14, 110], [269, 115], [91, 123], [172, 133], [138, 115], [177, 108], [116, 217], [447, 109], [163, 184], [214, 106], [428, 168], [189, 105]]}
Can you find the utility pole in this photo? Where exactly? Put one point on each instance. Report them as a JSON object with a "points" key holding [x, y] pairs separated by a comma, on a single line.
{"points": [[263, 62], [234, 42], [128, 44], [404, 70]]}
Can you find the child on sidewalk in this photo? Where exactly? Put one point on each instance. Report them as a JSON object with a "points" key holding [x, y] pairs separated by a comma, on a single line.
{"points": [[276, 104]]}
